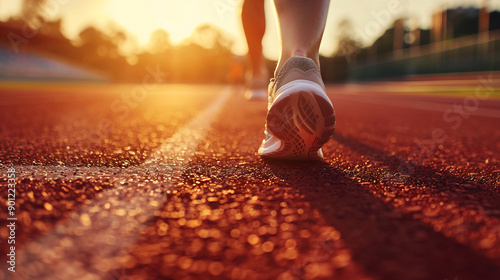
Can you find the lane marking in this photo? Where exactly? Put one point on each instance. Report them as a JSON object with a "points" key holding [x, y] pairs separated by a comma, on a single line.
{"points": [[104, 230]]}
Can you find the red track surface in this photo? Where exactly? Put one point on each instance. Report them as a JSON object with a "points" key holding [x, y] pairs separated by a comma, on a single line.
{"points": [[104, 192]]}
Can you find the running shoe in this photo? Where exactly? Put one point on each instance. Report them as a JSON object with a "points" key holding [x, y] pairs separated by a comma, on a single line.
{"points": [[256, 89], [300, 117]]}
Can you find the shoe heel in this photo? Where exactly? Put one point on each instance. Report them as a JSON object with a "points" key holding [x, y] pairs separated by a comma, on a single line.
{"points": [[303, 118]]}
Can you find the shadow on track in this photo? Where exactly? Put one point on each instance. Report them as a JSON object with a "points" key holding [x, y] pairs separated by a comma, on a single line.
{"points": [[459, 189], [386, 243]]}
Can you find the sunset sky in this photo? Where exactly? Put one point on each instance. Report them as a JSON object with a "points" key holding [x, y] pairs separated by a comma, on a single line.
{"points": [[180, 18]]}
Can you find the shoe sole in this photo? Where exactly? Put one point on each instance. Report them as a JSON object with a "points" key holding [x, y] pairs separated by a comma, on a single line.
{"points": [[303, 118]]}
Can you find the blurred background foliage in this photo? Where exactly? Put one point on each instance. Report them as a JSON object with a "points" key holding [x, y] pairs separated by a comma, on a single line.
{"points": [[460, 40]]}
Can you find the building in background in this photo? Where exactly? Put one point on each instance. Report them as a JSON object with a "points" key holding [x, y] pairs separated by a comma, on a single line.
{"points": [[462, 39]]}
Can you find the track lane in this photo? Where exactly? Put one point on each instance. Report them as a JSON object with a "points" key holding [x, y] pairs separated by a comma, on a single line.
{"points": [[357, 215]]}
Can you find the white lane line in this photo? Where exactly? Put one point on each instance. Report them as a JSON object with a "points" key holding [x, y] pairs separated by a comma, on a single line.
{"points": [[95, 240], [419, 105], [173, 152]]}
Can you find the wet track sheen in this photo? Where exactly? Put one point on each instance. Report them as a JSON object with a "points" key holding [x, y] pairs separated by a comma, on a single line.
{"points": [[114, 182]]}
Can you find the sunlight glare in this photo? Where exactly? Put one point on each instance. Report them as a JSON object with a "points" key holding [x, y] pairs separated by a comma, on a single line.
{"points": [[141, 18]]}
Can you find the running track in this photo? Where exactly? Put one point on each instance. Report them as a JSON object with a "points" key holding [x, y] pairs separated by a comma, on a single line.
{"points": [[124, 182]]}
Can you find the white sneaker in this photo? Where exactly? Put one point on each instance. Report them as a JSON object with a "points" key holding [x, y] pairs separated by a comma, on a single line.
{"points": [[256, 89], [300, 117], [255, 94]]}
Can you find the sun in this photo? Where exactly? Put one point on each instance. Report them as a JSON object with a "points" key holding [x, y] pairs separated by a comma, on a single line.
{"points": [[141, 18]]}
